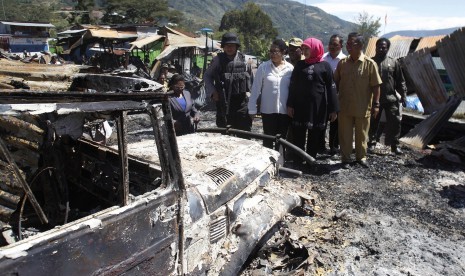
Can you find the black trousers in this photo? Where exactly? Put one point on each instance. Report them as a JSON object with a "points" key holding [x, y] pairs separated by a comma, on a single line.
{"points": [[274, 124], [333, 136], [312, 136], [393, 124], [333, 141], [238, 116]]}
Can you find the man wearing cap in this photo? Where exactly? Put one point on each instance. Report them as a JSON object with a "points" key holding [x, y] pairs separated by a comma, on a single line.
{"points": [[295, 53], [227, 81]]}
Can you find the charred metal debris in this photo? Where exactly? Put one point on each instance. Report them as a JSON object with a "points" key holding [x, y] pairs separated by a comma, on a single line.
{"points": [[110, 205]]}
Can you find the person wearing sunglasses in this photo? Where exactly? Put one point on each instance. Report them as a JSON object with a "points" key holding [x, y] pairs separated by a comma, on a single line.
{"points": [[183, 110]]}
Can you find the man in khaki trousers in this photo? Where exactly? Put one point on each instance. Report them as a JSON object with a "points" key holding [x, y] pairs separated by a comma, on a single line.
{"points": [[358, 83]]}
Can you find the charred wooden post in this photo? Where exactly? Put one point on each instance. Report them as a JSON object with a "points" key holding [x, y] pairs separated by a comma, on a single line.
{"points": [[22, 181], [123, 153]]}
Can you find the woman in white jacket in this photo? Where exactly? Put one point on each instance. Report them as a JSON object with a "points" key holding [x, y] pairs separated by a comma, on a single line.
{"points": [[271, 82]]}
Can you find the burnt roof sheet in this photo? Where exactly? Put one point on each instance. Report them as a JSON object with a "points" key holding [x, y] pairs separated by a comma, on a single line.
{"points": [[28, 24], [400, 46]]}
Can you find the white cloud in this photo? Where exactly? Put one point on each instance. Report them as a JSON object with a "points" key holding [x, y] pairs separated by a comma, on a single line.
{"points": [[397, 18]]}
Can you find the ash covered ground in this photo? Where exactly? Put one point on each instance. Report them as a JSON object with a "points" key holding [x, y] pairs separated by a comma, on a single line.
{"points": [[404, 215]]}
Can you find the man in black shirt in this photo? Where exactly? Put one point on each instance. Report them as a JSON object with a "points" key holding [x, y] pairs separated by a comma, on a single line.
{"points": [[393, 93]]}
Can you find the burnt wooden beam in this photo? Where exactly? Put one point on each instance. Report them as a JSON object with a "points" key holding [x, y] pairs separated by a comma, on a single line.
{"points": [[123, 153], [23, 183], [12, 96]]}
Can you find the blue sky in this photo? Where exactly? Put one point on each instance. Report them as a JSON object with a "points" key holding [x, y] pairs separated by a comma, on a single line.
{"points": [[401, 14]]}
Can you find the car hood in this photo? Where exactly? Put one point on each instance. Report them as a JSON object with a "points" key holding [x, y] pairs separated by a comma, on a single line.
{"points": [[218, 166]]}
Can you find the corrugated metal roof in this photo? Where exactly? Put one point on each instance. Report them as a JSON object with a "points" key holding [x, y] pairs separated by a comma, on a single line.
{"points": [[400, 46], [201, 41], [177, 32], [175, 41], [110, 33], [426, 79], [71, 32], [145, 41], [452, 55], [182, 41], [28, 24], [429, 42], [370, 50]]}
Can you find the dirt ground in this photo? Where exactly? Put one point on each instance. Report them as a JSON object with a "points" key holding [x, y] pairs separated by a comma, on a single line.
{"points": [[404, 215]]}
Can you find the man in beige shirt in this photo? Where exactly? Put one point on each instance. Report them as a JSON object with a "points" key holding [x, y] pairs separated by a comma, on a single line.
{"points": [[358, 83]]}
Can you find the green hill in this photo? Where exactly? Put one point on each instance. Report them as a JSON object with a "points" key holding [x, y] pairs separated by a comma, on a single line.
{"points": [[290, 18]]}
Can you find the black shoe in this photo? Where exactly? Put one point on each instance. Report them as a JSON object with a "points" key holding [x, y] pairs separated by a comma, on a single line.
{"points": [[371, 144], [345, 165], [333, 151], [396, 150], [363, 163]]}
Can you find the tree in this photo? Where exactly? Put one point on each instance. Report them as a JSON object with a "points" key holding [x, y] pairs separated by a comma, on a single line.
{"points": [[139, 11], [253, 24], [368, 25], [30, 11]]}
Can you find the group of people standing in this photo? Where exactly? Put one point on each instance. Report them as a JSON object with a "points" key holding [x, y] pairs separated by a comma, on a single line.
{"points": [[298, 96]]}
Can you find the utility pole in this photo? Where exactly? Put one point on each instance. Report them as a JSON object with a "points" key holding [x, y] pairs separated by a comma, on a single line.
{"points": [[206, 31]]}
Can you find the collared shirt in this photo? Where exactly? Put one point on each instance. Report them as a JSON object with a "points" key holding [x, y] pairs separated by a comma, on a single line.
{"points": [[333, 61], [273, 84], [393, 80], [355, 80]]}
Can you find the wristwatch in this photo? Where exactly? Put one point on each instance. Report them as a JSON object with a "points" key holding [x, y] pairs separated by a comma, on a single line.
{"points": [[375, 104]]}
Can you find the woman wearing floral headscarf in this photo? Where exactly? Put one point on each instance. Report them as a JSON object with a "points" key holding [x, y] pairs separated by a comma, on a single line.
{"points": [[312, 96]]}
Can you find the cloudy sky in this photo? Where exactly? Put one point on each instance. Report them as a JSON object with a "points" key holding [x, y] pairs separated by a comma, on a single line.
{"points": [[399, 14]]}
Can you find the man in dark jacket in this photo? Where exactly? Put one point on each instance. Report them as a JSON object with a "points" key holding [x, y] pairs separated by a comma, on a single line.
{"points": [[393, 92], [227, 82]]}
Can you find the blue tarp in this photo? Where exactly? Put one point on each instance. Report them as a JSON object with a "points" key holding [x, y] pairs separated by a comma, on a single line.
{"points": [[413, 102], [30, 48]]}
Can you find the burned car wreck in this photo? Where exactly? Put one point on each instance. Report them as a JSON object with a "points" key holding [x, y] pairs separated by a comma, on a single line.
{"points": [[145, 203]]}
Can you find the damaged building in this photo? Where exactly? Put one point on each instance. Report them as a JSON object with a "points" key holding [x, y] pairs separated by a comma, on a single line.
{"points": [[432, 66], [19, 37]]}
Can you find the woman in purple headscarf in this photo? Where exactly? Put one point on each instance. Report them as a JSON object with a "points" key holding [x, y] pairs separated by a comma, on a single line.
{"points": [[312, 97]]}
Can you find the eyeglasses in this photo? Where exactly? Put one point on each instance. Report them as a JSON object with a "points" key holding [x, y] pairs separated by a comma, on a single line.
{"points": [[179, 87]]}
